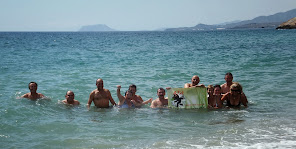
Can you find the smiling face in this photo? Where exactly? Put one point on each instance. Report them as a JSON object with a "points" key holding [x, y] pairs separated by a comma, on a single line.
{"points": [[210, 90], [160, 92], [33, 87], [236, 88], [195, 80], [217, 91]]}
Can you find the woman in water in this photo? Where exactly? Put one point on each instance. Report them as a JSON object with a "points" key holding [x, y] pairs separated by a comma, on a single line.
{"points": [[235, 97], [125, 101], [214, 98]]}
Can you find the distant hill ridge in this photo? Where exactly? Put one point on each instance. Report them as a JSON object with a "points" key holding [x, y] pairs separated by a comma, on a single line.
{"points": [[271, 21], [96, 28]]}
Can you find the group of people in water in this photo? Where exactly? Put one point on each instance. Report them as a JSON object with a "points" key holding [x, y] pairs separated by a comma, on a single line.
{"points": [[229, 94]]}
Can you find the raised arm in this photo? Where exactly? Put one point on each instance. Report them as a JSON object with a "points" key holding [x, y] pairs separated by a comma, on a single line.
{"points": [[120, 97], [147, 101]]}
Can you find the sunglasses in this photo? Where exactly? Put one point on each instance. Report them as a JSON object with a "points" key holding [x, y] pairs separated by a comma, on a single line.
{"points": [[234, 90]]}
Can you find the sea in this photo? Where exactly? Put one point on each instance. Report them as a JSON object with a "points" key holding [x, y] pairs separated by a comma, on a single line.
{"points": [[263, 61]]}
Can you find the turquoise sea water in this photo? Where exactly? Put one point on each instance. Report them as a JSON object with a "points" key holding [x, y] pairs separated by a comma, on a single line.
{"points": [[263, 61]]}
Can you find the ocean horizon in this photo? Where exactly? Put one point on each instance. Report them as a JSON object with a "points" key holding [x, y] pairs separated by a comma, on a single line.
{"points": [[261, 60]]}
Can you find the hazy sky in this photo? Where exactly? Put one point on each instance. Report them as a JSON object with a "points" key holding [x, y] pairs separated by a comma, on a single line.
{"points": [[127, 15]]}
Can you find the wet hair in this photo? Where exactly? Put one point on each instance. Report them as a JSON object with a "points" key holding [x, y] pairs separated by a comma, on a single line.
{"points": [[32, 82], [160, 89], [228, 73], [133, 85], [238, 86], [217, 85]]}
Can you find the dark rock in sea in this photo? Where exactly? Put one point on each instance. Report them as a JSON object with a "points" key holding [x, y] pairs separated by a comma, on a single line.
{"points": [[290, 24], [96, 28]]}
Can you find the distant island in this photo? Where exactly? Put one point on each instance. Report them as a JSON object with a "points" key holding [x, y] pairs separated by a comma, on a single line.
{"points": [[271, 22], [261, 22], [96, 28]]}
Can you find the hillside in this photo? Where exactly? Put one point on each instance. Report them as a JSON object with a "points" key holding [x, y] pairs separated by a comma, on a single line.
{"points": [[271, 21]]}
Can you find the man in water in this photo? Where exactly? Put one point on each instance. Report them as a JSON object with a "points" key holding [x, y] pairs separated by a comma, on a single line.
{"points": [[70, 99], [33, 95], [100, 96], [194, 82], [161, 101], [138, 99], [226, 86]]}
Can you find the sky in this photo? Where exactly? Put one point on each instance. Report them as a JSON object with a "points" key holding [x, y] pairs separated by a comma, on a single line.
{"points": [[130, 15]]}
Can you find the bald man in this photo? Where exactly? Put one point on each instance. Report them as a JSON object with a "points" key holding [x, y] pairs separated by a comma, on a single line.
{"points": [[70, 99], [100, 96], [194, 82]]}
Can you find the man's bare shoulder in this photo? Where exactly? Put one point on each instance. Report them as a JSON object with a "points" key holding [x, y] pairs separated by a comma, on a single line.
{"points": [[94, 91], [76, 102], [155, 101], [40, 95], [26, 95], [224, 85], [187, 85], [106, 90]]}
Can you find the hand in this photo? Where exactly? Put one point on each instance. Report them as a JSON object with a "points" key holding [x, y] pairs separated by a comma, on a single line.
{"points": [[150, 100], [118, 86], [168, 88]]}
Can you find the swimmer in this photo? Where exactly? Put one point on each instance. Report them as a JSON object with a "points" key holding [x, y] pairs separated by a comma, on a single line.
{"points": [[194, 82], [161, 101], [129, 98], [70, 99], [33, 95], [125, 101], [217, 97], [100, 96], [226, 86], [210, 90], [235, 97], [138, 99]]}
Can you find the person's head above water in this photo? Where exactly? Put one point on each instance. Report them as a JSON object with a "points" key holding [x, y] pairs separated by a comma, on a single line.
{"points": [[128, 94], [195, 80], [236, 88], [210, 89], [32, 86], [217, 89], [70, 95], [228, 77], [133, 88], [160, 92], [100, 83]]}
